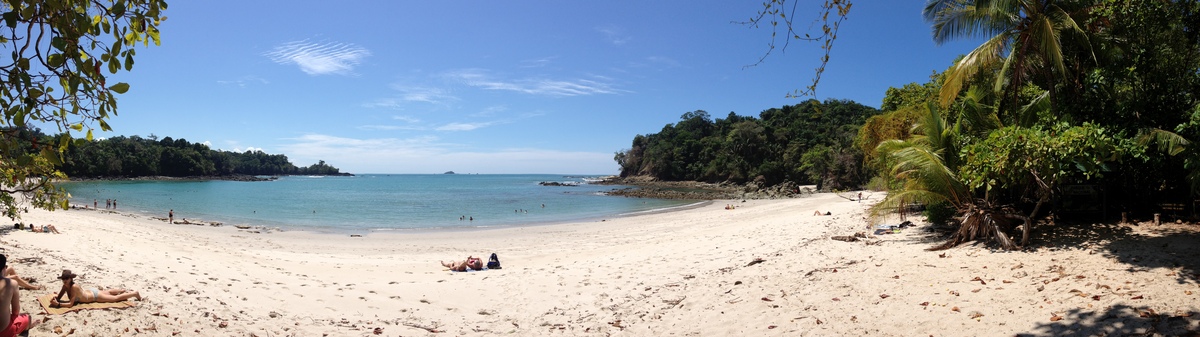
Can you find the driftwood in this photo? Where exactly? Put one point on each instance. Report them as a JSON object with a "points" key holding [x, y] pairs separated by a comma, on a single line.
{"points": [[430, 329]]}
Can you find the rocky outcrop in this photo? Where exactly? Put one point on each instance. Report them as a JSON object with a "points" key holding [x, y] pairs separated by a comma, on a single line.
{"points": [[645, 187]]}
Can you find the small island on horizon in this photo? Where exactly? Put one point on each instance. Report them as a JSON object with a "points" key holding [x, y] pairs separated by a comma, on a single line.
{"points": [[449, 172]]}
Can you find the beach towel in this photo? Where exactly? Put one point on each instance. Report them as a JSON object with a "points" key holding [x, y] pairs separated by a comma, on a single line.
{"points": [[45, 301]]}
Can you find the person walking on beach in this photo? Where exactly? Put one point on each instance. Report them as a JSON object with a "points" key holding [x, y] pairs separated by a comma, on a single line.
{"points": [[11, 318], [95, 204], [171, 216]]}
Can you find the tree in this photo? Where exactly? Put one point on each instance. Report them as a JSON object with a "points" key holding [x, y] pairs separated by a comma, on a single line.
{"points": [[56, 77], [1024, 39]]}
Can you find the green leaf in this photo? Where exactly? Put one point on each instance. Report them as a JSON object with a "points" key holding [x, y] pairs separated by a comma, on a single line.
{"points": [[77, 126], [51, 156], [118, 9], [120, 88], [128, 62], [89, 135], [10, 19], [55, 60]]}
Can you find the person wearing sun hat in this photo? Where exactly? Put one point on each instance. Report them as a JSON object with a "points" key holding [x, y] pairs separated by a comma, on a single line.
{"points": [[11, 318], [76, 294]]}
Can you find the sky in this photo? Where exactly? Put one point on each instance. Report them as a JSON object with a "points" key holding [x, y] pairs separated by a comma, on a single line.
{"points": [[491, 87]]}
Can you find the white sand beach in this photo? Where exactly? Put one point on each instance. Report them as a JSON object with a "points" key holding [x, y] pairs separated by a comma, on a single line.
{"points": [[683, 273]]}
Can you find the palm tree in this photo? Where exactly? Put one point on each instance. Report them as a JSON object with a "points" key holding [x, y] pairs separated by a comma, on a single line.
{"points": [[926, 163], [1024, 38]]}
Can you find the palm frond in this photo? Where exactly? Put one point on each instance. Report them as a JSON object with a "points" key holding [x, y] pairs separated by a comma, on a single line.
{"points": [[976, 114], [1169, 142], [1027, 115], [986, 56]]}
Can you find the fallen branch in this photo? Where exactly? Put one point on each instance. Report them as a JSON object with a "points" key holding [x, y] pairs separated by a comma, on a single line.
{"points": [[422, 327]]}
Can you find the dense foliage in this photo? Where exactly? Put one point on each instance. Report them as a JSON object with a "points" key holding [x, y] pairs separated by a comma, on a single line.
{"points": [[140, 157], [1068, 92], [808, 143], [127, 157], [58, 56]]}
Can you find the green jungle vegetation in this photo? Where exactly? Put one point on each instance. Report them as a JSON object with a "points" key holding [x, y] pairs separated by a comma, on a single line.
{"points": [[132, 157], [811, 142], [1061, 94]]}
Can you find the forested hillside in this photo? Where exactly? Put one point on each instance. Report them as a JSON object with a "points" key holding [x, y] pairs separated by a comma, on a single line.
{"points": [[127, 157], [807, 143]]}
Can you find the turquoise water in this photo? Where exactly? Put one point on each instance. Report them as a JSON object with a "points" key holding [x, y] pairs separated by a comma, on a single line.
{"points": [[369, 202]]}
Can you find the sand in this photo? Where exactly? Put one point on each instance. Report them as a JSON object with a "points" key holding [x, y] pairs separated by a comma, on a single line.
{"points": [[766, 268]]}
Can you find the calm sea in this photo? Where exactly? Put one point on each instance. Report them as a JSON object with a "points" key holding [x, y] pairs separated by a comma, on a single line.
{"points": [[372, 202]]}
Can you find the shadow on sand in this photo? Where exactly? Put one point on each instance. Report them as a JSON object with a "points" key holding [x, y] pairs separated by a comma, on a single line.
{"points": [[1171, 248]]}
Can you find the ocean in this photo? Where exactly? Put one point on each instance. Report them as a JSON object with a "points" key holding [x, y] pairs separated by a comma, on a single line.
{"points": [[371, 202]]}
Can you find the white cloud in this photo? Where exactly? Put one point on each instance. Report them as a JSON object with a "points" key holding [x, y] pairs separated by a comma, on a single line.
{"points": [[424, 94], [463, 126], [390, 127], [490, 111], [409, 119], [249, 148], [428, 155], [319, 59], [535, 86], [538, 63], [244, 81], [614, 35]]}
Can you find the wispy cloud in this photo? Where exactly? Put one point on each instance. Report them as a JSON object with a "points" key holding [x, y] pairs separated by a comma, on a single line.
{"points": [[409, 119], [490, 111], [464, 126], [424, 94], [614, 35], [538, 63], [243, 81], [429, 154], [319, 58], [391, 127], [535, 86]]}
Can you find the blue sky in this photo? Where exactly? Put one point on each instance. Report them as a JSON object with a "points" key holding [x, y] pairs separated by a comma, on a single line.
{"points": [[489, 86]]}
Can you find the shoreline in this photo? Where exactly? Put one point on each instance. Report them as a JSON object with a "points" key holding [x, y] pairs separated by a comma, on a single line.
{"points": [[363, 232], [766, 268]]}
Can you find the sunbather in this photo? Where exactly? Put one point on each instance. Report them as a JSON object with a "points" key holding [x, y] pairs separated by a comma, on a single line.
{"points": [[76, 294], [472, 263], [11, 273], [12, 321]]}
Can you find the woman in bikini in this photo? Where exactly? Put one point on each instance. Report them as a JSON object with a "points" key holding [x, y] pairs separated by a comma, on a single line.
{"points": [[76, 294], [474, 263]]}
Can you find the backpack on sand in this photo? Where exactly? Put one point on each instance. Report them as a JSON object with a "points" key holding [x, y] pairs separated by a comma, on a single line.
{"points": [[493, 262]]}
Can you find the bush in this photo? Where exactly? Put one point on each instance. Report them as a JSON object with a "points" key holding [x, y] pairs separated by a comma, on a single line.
{"points": [[939, 213]]}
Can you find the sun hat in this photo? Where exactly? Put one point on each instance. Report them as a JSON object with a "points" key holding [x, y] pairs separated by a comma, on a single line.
{"points": [[67, 274]]}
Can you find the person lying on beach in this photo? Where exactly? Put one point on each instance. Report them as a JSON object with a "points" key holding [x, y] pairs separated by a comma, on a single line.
{"points": [[76, 294], [472, 263], [11, 274], [11, 319], [818, 213], [45, 229]]}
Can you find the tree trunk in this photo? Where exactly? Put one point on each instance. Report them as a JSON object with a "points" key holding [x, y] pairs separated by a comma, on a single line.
{"points": [[1029, 221]]}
